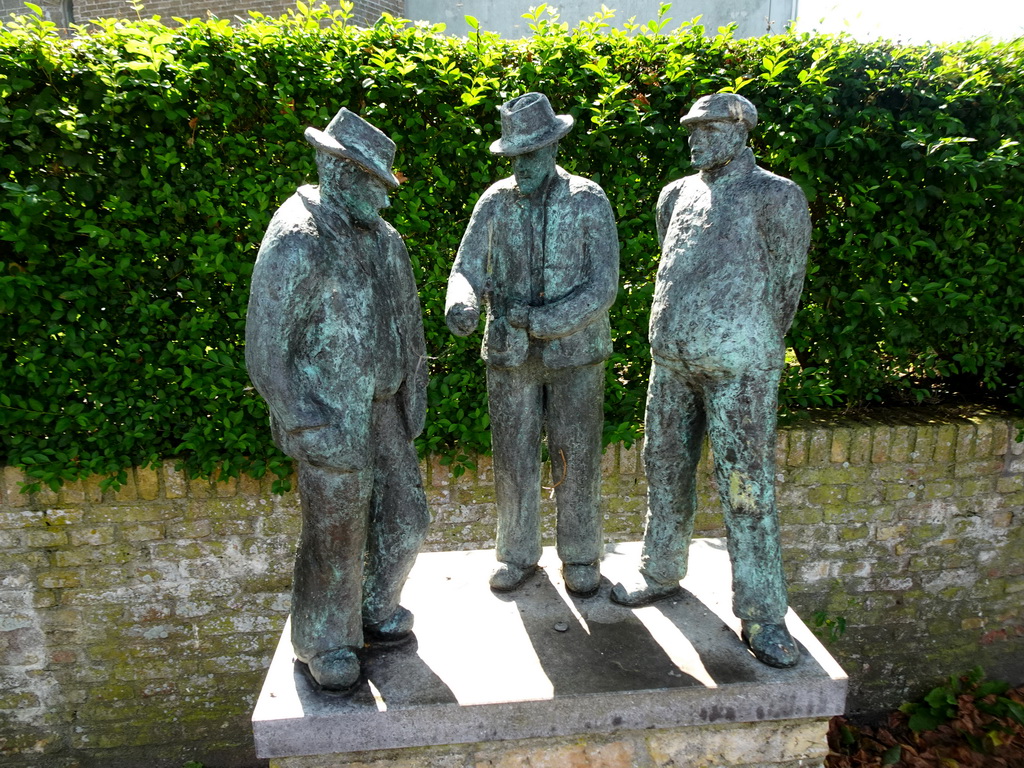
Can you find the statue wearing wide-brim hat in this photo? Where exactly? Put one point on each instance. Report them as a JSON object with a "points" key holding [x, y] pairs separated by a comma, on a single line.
{"points": [[349, 137], [528, 123]]}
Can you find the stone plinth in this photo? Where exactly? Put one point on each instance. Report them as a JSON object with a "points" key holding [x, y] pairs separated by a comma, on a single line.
{"points": [[539, 672]]}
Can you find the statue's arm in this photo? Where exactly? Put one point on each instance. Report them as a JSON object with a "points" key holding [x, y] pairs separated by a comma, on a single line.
{"points": [[597, 293], [412, 395], [277, 311], [788, 234], [466, 283], [666, 204], [321, 398]]}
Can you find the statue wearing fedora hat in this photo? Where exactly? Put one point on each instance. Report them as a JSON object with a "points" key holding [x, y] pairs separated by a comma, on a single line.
{"points": [[734, 249], [540, 259], [334, 344]]}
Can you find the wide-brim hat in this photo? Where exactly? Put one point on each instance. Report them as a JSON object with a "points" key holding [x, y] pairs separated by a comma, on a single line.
{"points": [[528, 123], [350, 137], [722, 107]]}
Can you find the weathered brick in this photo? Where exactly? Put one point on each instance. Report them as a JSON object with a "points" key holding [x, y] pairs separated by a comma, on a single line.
{"points": [[860, 446], [147, 481], [72, 492], [902, 443], [1010, 484], [144, 532], [94, 488], [13, 478], [945, 443], [127, 491], [249, 486], [966, 442], [844, 514], [225, 488], [175, 482], [988, 466], [92, 536], [1001, 437], [899, 491], [975, 486], [826, 494], [881, 436], [819, 449], [201, 488], [45, 538], [839, 449], [938, 490], [797, 444], [863, 494], [59, 579]]}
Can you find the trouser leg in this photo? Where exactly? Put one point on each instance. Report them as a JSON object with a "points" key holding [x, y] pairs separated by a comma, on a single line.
{"points": [[674, 425], [328, 577], [398, 517], [516, 402], [574, 419], [742, 426]]}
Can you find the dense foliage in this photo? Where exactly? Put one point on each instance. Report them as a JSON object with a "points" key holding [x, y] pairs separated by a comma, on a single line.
{"points": [[141, 164]]}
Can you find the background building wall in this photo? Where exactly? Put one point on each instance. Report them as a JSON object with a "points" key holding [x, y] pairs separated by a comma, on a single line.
{"points": [[753, 17], [136, 626]]}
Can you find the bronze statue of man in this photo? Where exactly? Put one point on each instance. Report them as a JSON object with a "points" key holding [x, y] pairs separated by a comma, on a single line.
{"points": [[734, 241], [335, 345], [540, 258]]}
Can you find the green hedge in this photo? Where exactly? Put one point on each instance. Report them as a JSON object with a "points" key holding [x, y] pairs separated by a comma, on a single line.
{"points": [[141, 164]]}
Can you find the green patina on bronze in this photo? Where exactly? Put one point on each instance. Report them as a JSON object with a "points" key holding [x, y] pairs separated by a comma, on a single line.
{"points": [[734, 247], [540, 259], [334, 344]]}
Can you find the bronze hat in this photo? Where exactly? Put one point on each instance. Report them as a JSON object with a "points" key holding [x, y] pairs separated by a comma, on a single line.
{"points": [[527, 123], [722, 107], [350, 137]]}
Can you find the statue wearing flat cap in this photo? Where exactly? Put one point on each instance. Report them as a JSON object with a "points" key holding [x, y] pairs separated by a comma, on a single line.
{"points": [[734, 241], [540, 260], [334, 344]]}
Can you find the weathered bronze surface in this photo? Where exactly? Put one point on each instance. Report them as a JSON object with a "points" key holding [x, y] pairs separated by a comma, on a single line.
{"points": [[335, 345], [540, 259], [734, 243]]}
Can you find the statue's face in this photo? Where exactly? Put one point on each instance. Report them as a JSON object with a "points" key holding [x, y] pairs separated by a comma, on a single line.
{"points": [[532, 168], [366, 198], [362, 194], [714, 144]]}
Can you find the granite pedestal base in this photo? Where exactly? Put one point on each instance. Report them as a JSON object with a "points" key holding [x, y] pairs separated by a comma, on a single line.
{"points": [[539, 677]]}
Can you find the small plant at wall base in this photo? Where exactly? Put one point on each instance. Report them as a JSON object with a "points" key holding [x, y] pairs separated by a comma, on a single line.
{"points": [[968, 722]]}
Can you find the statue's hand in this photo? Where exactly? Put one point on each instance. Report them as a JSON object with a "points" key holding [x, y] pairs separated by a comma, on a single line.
{"points": [[462, 319], [518, 316]]}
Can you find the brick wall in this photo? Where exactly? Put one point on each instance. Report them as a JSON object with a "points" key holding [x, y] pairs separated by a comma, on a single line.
{"points": [[365, 13], [135, 626]]}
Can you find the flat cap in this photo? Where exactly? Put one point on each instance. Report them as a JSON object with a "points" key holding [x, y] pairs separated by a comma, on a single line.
{"points": [[722, 107]]}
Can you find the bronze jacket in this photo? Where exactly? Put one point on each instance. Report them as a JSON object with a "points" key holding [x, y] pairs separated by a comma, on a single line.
{"points": [[333, 324], [734, 251], [556, 252]]}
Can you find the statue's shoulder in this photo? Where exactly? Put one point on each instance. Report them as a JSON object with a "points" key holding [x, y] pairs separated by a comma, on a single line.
{"points": [[671, 191], [580, 185], [776, 186], [499, 190], [297, 214]]}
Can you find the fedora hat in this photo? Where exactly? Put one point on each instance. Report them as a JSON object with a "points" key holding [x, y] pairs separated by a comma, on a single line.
{"points": [[351, 138], [527, 123], [724, 108]]}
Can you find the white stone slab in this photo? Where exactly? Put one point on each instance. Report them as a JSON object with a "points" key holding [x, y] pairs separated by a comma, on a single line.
{"points": [[539, 662]]}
